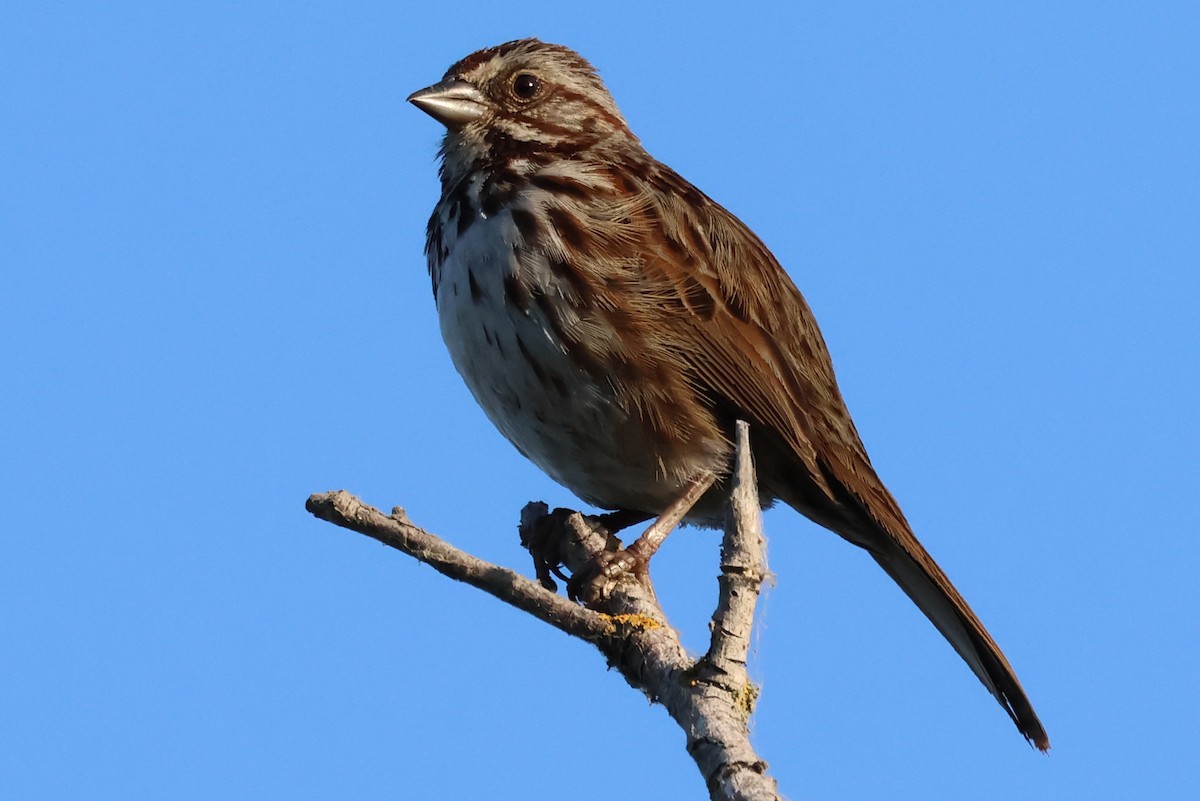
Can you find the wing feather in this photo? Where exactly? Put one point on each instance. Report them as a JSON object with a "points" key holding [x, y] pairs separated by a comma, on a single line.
{"points": [[760, 352]]}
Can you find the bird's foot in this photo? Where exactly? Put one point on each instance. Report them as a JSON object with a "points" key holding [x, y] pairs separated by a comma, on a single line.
{"points": [[546, 540], [596, 581]]}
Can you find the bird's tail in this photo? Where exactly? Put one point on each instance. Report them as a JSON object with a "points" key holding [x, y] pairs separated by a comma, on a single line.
{"points": [[911, 566], [868, 516]]}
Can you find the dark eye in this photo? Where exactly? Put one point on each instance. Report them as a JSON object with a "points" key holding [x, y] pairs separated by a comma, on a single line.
{"points": [[526, 86]]}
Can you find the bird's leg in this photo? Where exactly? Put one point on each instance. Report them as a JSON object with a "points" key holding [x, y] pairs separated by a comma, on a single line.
{"points": [[597, 580], [653, 537], [545, 539]]}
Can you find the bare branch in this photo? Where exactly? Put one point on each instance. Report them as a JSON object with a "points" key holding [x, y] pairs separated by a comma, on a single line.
{"points": [[397, 531], [711, 699]]}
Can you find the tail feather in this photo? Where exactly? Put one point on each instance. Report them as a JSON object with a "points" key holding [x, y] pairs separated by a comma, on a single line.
{"points": [[856, 505], [929, 588]]}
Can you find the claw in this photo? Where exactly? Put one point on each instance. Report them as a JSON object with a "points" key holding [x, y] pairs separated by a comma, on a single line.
{"points": [[596, 582]]}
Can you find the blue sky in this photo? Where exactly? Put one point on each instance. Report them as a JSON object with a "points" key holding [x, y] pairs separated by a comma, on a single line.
{"points": [[215, 303]]}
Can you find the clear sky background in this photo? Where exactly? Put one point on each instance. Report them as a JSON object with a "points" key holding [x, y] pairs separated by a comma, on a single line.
{"points": [[214, 302]]}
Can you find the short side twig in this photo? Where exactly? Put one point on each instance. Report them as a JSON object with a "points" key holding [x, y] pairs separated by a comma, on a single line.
{"points": [[743, 568]]}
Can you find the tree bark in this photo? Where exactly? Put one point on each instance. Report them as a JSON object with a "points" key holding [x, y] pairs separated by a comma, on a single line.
{"points": [[711, 698]]}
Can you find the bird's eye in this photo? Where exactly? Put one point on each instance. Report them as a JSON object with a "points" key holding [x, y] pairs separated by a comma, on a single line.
{"points": [[525, 86]]}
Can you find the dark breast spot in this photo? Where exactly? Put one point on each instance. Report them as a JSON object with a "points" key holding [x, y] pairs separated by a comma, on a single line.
{"points": [[476, 292], [516, 294], [547, 379], [566, 338], [526, 223], [466, 215], [497, 194]]}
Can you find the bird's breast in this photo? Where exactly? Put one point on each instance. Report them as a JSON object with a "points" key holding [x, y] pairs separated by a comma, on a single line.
{"points": [[494, 320]]}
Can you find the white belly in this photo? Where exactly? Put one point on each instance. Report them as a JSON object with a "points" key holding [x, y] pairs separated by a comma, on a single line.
{"points": [[558, 416]]}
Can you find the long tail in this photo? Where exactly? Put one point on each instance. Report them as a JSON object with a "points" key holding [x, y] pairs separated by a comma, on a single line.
{"points": [[869, 517], [911, 566]]}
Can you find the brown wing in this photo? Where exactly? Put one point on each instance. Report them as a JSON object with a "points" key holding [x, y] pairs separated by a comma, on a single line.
{"points": [[753, 343]]}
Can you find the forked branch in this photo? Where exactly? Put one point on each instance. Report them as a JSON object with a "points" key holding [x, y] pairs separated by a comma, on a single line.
{"points": [[711, 698]]}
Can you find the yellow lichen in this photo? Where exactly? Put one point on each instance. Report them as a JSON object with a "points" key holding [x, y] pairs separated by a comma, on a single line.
{"points": [[747, 698], [636, 622]]}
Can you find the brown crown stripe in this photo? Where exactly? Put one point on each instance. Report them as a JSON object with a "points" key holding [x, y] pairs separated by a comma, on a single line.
{"points": [[473, 61]]}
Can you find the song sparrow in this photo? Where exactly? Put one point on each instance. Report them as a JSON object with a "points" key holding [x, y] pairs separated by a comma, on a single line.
{"points": [[614, 322]]}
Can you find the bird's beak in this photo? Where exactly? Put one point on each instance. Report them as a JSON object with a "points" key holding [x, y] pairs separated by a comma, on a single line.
{"points": [[451, 102]]}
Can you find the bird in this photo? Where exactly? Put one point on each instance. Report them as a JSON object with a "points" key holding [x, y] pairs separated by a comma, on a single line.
{"points": [[614, 323]]}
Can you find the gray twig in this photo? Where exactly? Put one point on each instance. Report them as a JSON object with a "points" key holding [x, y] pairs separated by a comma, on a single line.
{"points": [[711, 698]]}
